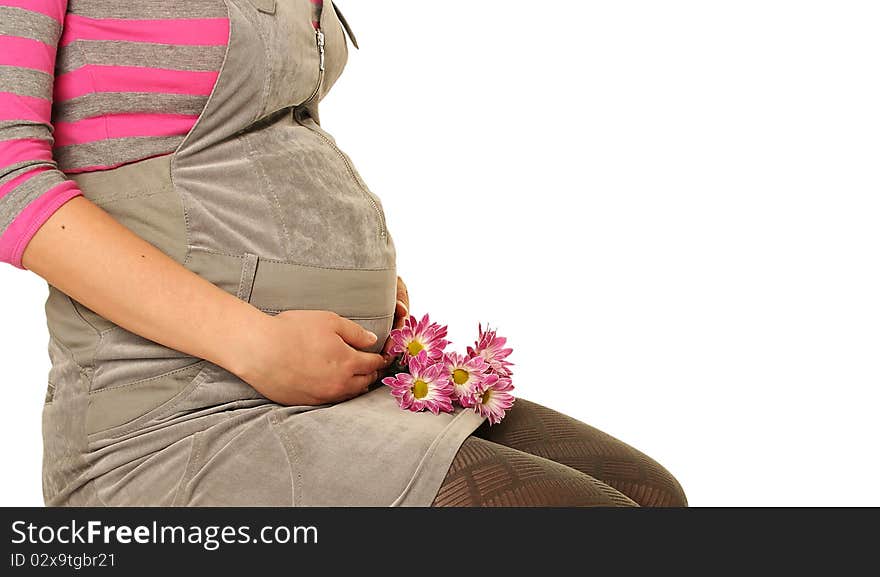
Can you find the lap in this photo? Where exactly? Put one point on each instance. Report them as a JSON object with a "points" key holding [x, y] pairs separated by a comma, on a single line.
{"points": [[486, 474], [538, 430]]}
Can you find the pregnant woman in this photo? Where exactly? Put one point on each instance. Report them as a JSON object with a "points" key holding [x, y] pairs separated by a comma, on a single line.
{"points": [[222, 282]]}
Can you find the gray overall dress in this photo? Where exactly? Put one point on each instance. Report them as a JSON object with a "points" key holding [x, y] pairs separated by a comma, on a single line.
{"points": [[259, 200]]}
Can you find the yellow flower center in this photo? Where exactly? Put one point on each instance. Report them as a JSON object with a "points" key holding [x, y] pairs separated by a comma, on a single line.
{"points": [[415, 347], [420, 389], [486, 396], [460, 376]]}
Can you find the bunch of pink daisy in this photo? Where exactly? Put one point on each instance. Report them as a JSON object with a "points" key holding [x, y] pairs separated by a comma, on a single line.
{"points": [[438, 380]]}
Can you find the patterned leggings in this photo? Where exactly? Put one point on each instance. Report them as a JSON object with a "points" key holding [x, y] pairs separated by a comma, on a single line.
{"points": [[542, 458]]}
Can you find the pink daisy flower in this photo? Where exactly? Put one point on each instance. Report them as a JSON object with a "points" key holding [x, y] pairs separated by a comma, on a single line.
{"points": [[492, 397], [415, 337], [491, 349], [464, 374], [424, 387]]}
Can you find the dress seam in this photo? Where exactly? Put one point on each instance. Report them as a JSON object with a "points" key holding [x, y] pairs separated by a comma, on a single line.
{"points": [[417, 475], [290, 454]]}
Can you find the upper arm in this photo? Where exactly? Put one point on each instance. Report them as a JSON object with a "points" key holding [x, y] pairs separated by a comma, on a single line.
{"points": [[31, 185]]}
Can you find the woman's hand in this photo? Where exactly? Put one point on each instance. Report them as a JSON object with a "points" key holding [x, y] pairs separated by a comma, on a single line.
{"points": [[307, 357], [401, 311]]}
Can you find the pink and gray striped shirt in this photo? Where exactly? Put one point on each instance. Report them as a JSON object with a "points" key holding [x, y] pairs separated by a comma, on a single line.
{"points": [[90, 85]]}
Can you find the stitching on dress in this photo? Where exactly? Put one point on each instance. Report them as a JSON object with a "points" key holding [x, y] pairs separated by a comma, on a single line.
{"points": [[356, 318], [432, 449], [163, 410], [185, 139], [189, 470], [69, 351], [290, 451], [276, 204], [147, 380], [82, 370], [138, 194], [277, 261], [269, 74], [248, 272], [83, 318]]}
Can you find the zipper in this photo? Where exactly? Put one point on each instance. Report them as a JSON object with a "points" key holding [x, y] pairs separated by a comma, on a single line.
{"points": [[319, 41]]}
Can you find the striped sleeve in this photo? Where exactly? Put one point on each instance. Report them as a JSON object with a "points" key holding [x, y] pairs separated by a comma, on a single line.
{"points": [[32, 187]]}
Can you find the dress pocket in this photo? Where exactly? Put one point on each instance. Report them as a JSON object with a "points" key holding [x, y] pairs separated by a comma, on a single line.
{"points": [[116, 411]]}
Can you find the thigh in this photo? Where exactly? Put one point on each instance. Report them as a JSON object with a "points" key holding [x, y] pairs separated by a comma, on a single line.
{"points": [[541, 431], [486, 474]]}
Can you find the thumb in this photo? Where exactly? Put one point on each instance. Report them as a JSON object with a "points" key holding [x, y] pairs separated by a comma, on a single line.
{"points": [[354, 334]]}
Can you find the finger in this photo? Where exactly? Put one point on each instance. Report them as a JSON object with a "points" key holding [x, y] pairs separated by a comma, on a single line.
{"points": [[359, 384], [400, 315], [386, 351], [354, 393], [386, 372], [366, 363], [402, 292], [401, 311], [354, 334], [363, 381]]}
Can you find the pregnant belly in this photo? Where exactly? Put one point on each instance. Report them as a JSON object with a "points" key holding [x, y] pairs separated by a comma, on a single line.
{"points": [[338, 254], [278, 216], [328, 216]]}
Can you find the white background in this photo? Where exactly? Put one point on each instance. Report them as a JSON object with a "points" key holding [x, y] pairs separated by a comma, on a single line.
{"points": [[670, 208]]}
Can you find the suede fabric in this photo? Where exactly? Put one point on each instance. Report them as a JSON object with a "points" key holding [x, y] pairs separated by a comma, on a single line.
{"points": [[259, 200]]}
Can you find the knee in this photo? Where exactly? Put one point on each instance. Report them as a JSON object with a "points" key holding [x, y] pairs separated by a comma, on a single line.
{"points": [[681, 497], [667, 491], [677, 496]]}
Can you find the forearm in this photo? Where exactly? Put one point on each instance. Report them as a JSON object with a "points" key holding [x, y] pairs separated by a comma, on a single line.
{"points": [[84, 252]]}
